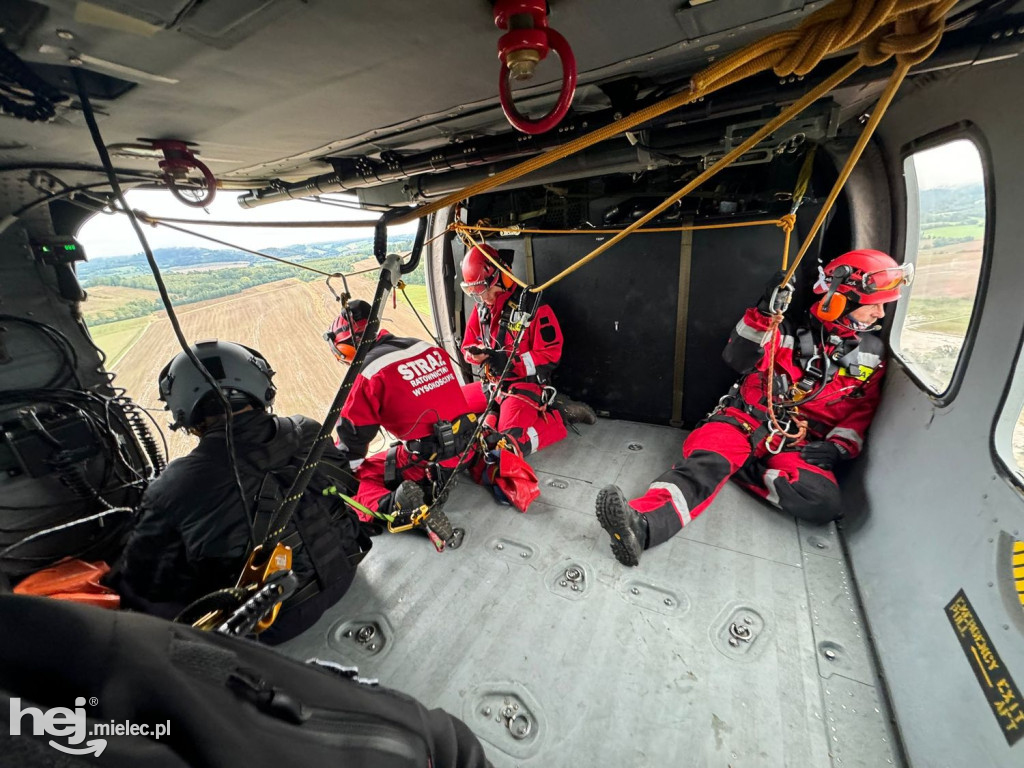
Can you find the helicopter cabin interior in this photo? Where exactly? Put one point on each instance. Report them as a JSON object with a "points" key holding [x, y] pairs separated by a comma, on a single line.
{"points": [[750, 639]]}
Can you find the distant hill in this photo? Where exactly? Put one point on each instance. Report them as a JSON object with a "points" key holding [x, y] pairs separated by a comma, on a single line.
{"points": [[128, 290], [964, 201], [94, 272]]}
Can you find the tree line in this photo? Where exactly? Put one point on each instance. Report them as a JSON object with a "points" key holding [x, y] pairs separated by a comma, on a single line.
{"points": [[189, 287]]}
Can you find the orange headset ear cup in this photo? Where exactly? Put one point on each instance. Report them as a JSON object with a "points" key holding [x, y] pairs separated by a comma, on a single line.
{"points": [[835, 309], [506, 281], [347, 351]]}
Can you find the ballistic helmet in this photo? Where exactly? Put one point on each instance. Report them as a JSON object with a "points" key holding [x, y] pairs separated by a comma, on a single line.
{"points": [[242, 374]]}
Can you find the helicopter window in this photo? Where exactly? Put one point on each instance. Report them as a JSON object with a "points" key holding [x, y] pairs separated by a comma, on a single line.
{"points": [[946, 220], [228, 293]]}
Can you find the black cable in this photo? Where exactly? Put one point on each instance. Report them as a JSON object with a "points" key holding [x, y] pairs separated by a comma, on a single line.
{"points": [[84, 328], [320, 200], [96, 410], [35, 99], [471, 445], [165, 298], [61, 342], [261, 254], [433, 338], [65, 193], [78, 167], [111, 533]]}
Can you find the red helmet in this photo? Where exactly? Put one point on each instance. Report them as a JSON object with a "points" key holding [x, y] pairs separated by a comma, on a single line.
{"points": [[479, 273], [352, 320], [866, 276]]}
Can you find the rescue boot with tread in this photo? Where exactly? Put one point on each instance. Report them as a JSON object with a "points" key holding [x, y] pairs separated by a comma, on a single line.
{"points": [[575, 411], [408, 500], [626, 527]]}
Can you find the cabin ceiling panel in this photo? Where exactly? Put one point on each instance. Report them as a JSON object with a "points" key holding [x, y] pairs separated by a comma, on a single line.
{"points": [[319, 72]]}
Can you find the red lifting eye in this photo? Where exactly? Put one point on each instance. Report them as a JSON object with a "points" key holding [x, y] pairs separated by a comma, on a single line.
{"points": [[177, 163], [526, 43]]}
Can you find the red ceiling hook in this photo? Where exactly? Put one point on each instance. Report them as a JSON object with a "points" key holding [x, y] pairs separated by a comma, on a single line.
{"points": [[178, 161], [525, 44]]}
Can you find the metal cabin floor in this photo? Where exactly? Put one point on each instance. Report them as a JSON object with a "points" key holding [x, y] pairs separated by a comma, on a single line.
{"points": [[635, 667]]}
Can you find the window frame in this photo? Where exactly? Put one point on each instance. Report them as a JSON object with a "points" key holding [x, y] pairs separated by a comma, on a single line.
{"points": [[961, 130], [1003, 425]]}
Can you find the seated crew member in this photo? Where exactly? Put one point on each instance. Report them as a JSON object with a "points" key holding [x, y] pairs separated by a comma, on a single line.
{"points": [[193, 536], [219, 701], [827, 372], [408, 387], [526, 412]]}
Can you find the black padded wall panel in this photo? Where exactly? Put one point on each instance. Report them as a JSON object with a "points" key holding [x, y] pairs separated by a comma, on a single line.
{"points": [[619, 312], [729, 270], [618, 315]]}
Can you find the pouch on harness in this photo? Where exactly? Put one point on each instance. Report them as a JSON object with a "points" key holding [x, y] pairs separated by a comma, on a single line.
{"points": [[334, 541], [449, 439]]}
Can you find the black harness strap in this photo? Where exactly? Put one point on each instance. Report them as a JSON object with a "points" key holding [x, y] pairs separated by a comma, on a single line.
{"points": [[756, 435], [392, 477]]}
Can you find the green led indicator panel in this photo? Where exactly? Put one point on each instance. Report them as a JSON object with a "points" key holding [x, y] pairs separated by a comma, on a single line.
{"points": [[64, 250]]}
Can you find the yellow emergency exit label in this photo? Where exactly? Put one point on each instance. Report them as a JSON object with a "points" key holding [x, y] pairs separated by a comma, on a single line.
{"points": [[996, 683], [1018, 569]]}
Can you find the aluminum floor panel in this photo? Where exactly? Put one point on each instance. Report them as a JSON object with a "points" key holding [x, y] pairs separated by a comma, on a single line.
{"points": [[556, 655]]}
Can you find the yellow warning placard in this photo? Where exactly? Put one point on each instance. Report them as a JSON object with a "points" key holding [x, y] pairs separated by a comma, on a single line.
{"points": [[996, 683]]}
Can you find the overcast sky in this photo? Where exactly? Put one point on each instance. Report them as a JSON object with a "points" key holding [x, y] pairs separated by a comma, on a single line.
{"points": [[113, 235], [948, 165]]}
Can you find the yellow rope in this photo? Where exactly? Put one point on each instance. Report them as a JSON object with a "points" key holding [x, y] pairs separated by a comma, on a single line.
{"points": [[464, 232], [836, 27], [917, 35], [755, 138], [516, 230]]}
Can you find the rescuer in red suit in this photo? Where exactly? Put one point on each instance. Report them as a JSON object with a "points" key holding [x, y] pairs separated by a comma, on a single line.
{"points": [[528, 410], [408, 387], [828, 371]]}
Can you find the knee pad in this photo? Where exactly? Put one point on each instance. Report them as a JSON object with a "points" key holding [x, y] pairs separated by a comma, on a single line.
{"points": [[813, 498]]}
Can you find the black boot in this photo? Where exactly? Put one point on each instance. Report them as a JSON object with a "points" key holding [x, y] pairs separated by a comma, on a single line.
{"points": [[438, 524], [406, 502], [574, 411], [624, 524]]}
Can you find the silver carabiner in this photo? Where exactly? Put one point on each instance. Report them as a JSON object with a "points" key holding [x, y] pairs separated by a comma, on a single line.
{"points": [[772, 432], [548, 395]]}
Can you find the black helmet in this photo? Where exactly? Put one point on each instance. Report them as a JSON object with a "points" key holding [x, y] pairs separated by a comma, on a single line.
{"points": [[243, 375]]}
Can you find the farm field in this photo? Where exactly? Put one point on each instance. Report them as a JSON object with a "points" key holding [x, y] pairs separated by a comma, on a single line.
{"points": [[116, 338], [285, 320], [106, 298]]}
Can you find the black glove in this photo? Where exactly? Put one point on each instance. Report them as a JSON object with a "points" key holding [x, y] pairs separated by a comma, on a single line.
{"points": [[823, 454], [773, 300], [496, 359]]}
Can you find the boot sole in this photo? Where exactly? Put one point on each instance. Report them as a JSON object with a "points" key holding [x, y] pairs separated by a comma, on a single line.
{"points": [[613, 519]]}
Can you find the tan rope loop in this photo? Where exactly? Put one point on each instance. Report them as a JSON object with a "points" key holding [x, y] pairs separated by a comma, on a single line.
{"points": [[838, 26], [787, 222]]}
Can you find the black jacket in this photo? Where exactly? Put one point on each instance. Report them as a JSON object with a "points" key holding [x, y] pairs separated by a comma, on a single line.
{"points": [[192, 537], [222, 702]]}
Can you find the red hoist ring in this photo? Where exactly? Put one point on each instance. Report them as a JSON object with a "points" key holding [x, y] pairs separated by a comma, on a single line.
{"points": [[177, 163], [526, 42]]}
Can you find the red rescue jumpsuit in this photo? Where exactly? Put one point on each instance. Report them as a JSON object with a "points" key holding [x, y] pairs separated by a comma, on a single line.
{"points": [[520, 414], [405, 386], [839, 408]]}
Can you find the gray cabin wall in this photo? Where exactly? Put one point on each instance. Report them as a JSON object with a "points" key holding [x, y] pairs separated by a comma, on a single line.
{"points": [[931, 508]]}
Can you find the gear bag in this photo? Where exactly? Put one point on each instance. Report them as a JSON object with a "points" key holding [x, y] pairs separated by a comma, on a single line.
{"points": [[220, 701]]}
